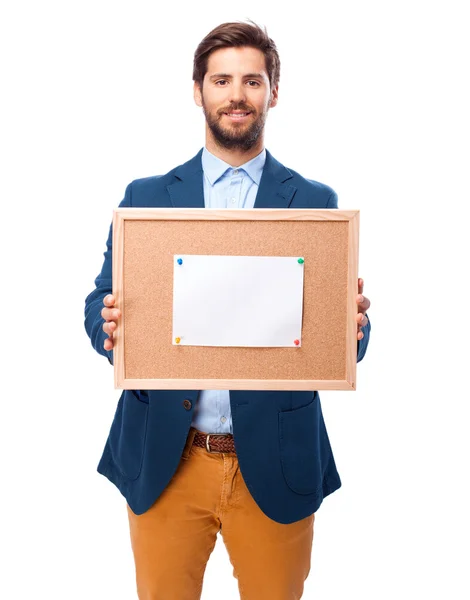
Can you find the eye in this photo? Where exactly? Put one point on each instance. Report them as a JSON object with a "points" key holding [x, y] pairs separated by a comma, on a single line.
{"points": [[256, 83], [220, 81]]}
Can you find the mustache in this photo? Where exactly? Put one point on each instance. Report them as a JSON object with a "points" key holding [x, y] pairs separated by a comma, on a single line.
{"points": [[240, 106]]}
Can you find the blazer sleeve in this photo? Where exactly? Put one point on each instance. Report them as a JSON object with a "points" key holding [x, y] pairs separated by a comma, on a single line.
{"points": [[103, 286], [361, 344]]}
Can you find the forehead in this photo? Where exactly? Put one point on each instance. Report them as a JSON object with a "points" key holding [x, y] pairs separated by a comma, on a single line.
{"points": [[236, 61]]}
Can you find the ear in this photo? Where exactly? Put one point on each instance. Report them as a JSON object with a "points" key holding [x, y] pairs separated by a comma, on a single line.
{"points": [[197, 94], [274, 96]]}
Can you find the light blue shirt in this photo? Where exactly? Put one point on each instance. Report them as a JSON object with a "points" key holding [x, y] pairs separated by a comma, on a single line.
{"points": [[224, 187]]}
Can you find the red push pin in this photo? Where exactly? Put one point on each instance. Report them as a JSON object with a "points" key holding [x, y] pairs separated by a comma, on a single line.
{"points": [[296, 342]]}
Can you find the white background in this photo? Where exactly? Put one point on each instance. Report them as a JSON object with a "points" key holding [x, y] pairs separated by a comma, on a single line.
{"points": [[374, 102]]}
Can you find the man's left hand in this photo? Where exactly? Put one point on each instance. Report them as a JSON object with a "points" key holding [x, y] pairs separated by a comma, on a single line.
{"points": [[363, 304]]}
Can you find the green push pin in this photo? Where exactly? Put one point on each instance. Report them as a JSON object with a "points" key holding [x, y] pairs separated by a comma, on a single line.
{"points": [[300, 261]]}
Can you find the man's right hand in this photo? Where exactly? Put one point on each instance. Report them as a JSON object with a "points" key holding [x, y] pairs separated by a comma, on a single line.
{"points": [[111, 315]]}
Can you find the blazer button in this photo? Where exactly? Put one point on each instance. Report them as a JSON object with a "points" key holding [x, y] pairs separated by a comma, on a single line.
{"points": [[187, 404]]}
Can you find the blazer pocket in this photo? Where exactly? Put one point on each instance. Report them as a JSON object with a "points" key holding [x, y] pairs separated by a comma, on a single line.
{"points": [[128, 433], [300, 448]]}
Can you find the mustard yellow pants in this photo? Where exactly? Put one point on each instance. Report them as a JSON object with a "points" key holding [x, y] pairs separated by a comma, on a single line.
{"points": [[173, 540]]}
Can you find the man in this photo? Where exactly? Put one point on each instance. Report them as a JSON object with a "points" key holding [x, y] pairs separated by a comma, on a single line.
{"points": [[258, 485]]}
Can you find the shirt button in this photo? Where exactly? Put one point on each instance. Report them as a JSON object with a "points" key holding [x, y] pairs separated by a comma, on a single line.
{"points": [[234, 200], [187, 404], [235, 172], [223, 419]]}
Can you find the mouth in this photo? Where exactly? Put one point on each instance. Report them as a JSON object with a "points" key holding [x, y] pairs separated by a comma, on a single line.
{"points": [[237, 115]]}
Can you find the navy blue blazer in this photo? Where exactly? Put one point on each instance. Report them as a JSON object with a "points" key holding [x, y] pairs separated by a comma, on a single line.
{"points": [[280, 437]]}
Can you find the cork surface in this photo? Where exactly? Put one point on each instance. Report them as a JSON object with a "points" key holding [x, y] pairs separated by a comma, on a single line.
{"points": [[147, 299]]}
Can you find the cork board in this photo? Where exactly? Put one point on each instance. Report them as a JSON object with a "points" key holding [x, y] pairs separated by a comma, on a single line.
{"points": [[145, 241]]}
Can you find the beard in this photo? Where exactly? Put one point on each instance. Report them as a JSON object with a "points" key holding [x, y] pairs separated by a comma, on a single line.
{"points": [[235, 136]]}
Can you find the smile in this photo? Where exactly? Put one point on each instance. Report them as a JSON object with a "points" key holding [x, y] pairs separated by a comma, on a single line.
{"points": [[237, 115]]}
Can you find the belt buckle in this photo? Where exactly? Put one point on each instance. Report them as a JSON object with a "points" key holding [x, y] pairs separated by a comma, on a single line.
{"points": [[213, 435]]}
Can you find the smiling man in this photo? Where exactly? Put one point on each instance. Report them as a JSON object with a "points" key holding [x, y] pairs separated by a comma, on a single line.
{"points": [[252, 465]]}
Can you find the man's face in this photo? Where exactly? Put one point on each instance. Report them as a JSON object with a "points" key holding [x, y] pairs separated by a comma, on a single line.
{"points": [[236, 96]]}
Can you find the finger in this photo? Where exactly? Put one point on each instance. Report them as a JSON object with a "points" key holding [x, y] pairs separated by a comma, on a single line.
{"points": [[360, 335], [107, 313], [108, 300], [362, 320], [108, 344], [110, 314], [109, 327], [362, 302]]}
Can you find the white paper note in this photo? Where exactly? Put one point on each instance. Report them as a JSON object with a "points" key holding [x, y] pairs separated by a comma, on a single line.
{"points": [[237, 301]]}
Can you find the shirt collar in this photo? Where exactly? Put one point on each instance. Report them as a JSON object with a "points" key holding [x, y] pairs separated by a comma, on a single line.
{"points": [[214, 168]]}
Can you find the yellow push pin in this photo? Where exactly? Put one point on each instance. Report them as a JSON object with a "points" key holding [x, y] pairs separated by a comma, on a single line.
{"points": [[177, 340]]}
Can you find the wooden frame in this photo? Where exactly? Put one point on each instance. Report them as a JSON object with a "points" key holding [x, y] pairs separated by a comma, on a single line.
{"points": [[341, 247]]}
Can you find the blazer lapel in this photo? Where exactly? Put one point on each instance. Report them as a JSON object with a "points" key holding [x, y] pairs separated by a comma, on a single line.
{"points": [[275, 190], [187, 191]]}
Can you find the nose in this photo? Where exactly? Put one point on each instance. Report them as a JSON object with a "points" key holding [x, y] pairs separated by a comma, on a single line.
{"points": [[237, 92]]}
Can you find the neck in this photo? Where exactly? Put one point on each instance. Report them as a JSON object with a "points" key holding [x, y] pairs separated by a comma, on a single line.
{"points": [[233, 157]]}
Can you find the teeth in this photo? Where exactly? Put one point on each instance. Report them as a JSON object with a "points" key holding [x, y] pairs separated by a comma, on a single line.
{"points": [[237, 115]]}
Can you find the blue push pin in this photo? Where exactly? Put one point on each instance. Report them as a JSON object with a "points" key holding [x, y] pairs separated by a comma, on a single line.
{"points": [[180, 261]]}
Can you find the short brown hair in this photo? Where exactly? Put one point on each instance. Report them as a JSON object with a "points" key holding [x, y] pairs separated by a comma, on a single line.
{"points": [[239, 33]]}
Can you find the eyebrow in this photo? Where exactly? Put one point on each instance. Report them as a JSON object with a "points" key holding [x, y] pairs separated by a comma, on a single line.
{"points": [[227, 76]]}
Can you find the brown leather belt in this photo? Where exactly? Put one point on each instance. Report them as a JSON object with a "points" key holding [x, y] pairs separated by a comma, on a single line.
{"points": [[214, 442]]}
